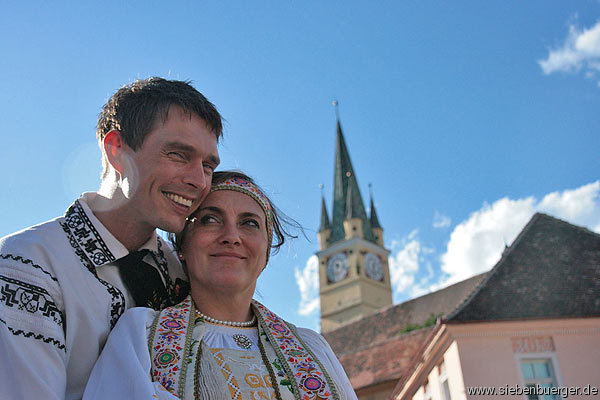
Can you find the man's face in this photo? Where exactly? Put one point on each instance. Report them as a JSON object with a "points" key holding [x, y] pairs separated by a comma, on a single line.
{"points": [[170, 174]]}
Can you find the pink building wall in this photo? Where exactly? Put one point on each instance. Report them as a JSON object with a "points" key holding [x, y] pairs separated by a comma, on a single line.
{"points": [[490, 353]]}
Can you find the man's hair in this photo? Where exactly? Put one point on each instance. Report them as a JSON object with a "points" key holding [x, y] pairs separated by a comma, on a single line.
{"points": [[135, 108]]}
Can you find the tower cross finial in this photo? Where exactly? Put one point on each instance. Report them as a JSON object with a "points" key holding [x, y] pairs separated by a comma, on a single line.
{"points": [[337, 113]]}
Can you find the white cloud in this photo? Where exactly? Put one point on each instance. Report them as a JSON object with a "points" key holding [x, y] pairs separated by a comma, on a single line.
{"points": [[441, 221], [405, 260], [578, 206], [580, 50], [308, 283], [476, 244]]}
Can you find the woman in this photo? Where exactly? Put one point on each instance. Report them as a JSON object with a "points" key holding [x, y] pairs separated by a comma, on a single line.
{"points": [[219, 343]]}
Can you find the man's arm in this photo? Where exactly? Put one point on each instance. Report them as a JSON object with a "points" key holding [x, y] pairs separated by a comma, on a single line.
{"points": [[32, 340], [123, 370]]}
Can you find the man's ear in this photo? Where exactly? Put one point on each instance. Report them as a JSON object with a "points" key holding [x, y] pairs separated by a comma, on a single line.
{"points": [[113, 148]]}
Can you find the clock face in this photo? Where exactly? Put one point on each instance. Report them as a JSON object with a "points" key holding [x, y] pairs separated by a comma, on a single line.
{"points": [[337, 268], [373, 267]]}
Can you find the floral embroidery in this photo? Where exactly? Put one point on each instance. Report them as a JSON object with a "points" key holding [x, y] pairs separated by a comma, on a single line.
{"points": [[297, 368], [309, 374], [284, 381], [167, 345]]}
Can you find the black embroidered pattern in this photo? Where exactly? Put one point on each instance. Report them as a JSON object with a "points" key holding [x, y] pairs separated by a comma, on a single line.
{"points": [[177, 290], [28, 297], [88, 238], [161, 262], [89, 246], [27, 262], [36, 336]]}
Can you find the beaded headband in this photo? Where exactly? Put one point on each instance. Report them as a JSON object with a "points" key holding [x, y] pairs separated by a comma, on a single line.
{"points": [[244, 186]]}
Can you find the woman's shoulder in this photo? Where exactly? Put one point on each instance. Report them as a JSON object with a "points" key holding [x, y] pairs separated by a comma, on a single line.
{"points": [[312, 338], [136, 317]]}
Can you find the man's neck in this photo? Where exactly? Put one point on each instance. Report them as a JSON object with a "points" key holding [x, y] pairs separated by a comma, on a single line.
{"points": [[110, 207]]}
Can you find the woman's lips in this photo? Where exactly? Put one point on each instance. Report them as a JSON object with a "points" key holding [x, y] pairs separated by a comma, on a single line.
{"points": [[228, 254]]}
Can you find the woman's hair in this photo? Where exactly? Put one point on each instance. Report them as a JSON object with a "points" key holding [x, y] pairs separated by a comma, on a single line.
{"points": [[281, 222]]}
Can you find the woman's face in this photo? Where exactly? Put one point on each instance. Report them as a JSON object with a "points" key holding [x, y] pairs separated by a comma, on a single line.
{"points": [[225, 248]]}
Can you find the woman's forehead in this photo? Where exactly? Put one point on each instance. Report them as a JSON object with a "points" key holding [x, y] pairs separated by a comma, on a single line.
{"points": [[231, 200]]}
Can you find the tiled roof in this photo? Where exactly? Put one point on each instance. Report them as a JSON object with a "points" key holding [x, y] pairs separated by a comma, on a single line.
{"points": [[385, 361], [374, 349], [551, 270]]}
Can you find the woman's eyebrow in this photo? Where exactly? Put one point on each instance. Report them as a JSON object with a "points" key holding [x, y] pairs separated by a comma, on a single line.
{"points": [[249, 214], [210, 208]]}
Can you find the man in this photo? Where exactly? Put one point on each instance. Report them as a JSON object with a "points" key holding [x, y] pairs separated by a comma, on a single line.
{"points": [[65, 283]]}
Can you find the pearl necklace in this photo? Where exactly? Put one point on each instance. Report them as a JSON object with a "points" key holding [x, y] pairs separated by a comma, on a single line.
{"points": [[226, 323]]}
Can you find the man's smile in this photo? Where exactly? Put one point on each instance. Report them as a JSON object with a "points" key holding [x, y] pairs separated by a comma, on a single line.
{"points": [[178, 199]]}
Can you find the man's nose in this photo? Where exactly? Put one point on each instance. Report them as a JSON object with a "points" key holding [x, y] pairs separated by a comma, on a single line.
{"points": [[197, 177]]}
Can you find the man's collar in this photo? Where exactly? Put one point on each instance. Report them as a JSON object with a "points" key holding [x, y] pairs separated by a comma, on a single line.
{"points": [[96, 241]]}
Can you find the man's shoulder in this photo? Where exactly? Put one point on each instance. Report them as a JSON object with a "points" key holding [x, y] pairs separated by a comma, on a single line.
{"points": [[33, 238], [32, 248]]}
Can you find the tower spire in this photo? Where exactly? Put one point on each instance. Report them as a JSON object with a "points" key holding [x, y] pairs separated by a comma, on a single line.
{"points": [[343, 179], [353, 263], [350, 204]]}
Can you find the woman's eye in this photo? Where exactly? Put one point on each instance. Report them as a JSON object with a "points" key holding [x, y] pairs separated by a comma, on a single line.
{"points": [[208, 219], [252, 223]]}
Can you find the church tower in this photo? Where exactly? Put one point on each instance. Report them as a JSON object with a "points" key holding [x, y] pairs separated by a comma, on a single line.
{"points": [[354, 274]]}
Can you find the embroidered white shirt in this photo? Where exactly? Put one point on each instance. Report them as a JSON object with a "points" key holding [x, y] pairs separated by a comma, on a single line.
{"points": [[58, 304], [123, 370]]}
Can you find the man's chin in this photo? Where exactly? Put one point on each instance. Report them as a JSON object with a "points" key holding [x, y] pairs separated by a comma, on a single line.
{"points": [[172, 226]]}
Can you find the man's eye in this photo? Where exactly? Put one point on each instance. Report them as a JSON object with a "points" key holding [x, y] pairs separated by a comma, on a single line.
{"points": [[176, 154]]}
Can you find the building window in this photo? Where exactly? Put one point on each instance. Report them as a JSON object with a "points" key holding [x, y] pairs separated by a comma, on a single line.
{"points": [[539, 373], [444, 386], [427, 391]]}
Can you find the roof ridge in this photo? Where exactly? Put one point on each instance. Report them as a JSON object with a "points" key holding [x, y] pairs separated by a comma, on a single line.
{"points": [[578, 227]]}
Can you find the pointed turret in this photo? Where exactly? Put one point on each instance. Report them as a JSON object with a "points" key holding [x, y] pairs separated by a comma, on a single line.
{"points": [[375, 225], [374, 219], [324, 216], [346, 201], [325, 227]]}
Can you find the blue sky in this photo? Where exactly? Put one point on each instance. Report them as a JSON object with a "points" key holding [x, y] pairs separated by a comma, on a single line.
{"points": [[466, 117]]}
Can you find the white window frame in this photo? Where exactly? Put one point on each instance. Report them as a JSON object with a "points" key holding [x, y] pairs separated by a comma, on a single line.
{"points": [[545, 356], [427, 390], [443, 378]]}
